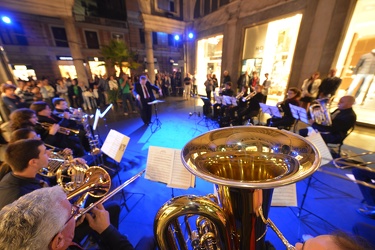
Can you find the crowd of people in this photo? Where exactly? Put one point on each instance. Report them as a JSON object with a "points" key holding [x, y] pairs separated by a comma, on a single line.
{"points": [[40, 117]]}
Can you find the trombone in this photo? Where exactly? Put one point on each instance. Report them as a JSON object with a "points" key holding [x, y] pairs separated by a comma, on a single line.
{"points": [[349, 162], [88, 187]]}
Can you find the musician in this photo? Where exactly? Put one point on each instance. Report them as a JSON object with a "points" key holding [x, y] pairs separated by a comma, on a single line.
{"points": [[144, 94], [25, 158], [44, 219], [287, 120], [368, 208], [343, 119], [76, 142], [253, 108], [226, 91]]}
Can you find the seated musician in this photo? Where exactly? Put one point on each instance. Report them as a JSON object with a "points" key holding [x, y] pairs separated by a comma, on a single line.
{"points": [[44, 219], [253, 107], [45, 116], [27, 118], [287, 120], [26, 158], [343, 119], [226, 91]]}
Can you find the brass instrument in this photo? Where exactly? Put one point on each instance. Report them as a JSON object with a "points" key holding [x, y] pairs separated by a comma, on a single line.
{"points": [[319, 111], [245, 163], [75, 177], [55, 161], [62, 130], [351, 162], [91, 187], [249, 96]]}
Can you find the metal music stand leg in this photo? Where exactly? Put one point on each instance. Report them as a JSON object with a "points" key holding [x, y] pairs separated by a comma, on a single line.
{"points": [[118, 167], [157, 123]]}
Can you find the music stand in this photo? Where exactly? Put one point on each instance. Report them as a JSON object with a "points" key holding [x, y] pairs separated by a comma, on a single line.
{"points": [[207, 111], [195, 109], [299, 114], [272, 110], [156, 122]]}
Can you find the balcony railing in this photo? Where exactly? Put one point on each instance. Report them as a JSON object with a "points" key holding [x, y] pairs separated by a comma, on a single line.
{"points": [[100, 21]]}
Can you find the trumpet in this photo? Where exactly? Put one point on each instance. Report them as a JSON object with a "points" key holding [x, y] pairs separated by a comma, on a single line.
{"points": [[62, 130]]}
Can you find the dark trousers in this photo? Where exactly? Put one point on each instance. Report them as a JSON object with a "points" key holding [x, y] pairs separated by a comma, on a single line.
{"points": [[367, 192], [146, 111]]}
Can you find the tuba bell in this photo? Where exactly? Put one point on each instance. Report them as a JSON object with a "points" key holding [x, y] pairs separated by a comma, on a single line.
{"points": [[245, 164]]}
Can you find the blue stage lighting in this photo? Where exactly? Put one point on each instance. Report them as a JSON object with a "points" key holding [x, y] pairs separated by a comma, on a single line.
{"points": [[190, 35], [6, 19], [176, 37]]}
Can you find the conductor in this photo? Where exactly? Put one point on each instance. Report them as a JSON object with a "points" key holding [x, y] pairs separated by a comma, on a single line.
{"points": [[144, 94]]}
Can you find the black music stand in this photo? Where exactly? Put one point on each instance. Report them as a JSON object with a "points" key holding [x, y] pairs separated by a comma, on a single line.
{"points": [[300, 114], [195, 109], [156, 124], [207, 112]]}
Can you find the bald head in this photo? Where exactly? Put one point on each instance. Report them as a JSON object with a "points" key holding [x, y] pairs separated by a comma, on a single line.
{"points": [[346, 102]]}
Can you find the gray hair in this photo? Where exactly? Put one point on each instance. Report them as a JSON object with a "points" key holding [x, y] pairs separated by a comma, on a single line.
{"points": [[31, 222]]}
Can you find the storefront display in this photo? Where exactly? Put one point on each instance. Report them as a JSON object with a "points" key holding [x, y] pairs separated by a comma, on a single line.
{"points": [[356, 62], [269, 48], [209, 52]]}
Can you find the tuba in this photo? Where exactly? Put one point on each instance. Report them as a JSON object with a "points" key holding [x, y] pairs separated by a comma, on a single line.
{"points": [[245, 164], [319, 111]]}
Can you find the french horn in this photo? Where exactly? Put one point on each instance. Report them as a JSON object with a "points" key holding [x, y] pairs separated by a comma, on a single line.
{"points": [[245, 163]]}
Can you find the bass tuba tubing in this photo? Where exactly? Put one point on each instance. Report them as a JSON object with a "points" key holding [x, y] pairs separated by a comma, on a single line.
{"points": [[245, 164]]}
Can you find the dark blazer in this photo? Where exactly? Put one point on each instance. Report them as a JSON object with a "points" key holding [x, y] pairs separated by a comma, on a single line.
{"points": [[139, 91], [341, 124]]}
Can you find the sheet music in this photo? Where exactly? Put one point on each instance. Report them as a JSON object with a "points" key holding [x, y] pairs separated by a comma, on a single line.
{"points": [[227, 100], [180, 175], [115, 145], [165, 165], [315, 138], [299, 113], [218, 99], [285, 196], [272, 110]]}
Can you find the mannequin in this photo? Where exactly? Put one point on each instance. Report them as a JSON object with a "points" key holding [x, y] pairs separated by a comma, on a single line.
{"points": [[363, 73]]}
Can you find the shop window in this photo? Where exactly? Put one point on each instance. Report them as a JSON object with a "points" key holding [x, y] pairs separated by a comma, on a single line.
{"points": [[92, 39], [60, 37], [142, 36], [214, 5], [207, 7], [13, 34], [223, 2]]}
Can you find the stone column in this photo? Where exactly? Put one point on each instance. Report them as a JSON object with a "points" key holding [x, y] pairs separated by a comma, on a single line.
{"points": [[149, 55], [75, 49], [231, 50]]}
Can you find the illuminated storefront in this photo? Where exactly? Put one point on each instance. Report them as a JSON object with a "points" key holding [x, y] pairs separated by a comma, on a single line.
{"points": [[23, 72], [209, 52], [97, 66], [359, 41], [269, 48]]}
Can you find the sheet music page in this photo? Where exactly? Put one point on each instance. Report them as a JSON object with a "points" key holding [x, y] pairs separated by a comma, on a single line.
{"points": [[159, 164], [315, 138], [180, 177], [285, 196], [115, 145]]}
